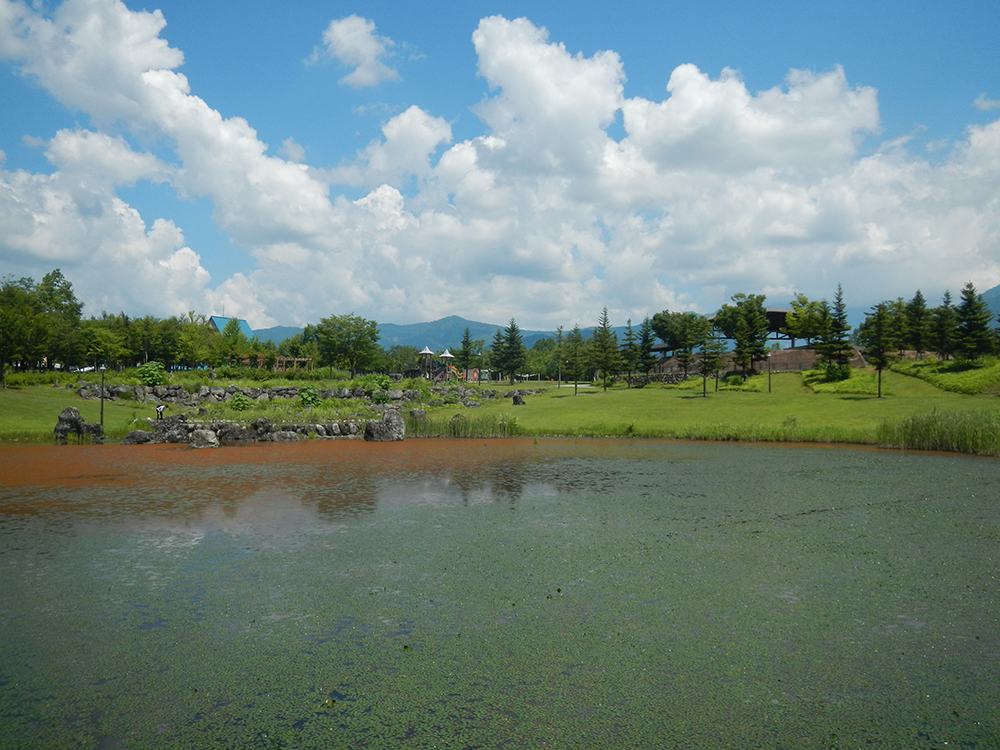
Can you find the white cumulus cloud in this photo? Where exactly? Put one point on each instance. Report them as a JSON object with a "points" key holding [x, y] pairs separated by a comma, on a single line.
{"points": [[353, 41], [543, 215]]}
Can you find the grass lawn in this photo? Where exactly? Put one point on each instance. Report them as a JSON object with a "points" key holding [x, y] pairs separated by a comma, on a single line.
{"points": [[790, 412], [31, 412]]}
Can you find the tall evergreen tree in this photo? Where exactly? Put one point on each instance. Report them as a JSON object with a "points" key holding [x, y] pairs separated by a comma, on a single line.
{"points": [[879, 338], [604, 354], [576, 356], [713, 350], [834, 346], [647, 338], [512, 355], [466, 352], [630, 353], [974, 337], [559, 355], [943, 331], [918, 324], [498, 352]]}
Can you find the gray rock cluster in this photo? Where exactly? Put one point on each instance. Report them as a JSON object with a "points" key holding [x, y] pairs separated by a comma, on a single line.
{"points": [[71, 423], [180, 396], [180, 429], [388, 429]]}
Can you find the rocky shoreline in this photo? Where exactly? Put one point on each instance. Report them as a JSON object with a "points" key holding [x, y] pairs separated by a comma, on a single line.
{"points": [[186, 428]]}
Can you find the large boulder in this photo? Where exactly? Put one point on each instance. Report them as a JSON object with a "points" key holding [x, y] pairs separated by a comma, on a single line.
{"points": [[204, 439], [139, 437], [70, 422], [386, 430]]}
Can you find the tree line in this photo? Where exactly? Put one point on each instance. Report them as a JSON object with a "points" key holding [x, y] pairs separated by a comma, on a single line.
{"points": [[41, 327]]}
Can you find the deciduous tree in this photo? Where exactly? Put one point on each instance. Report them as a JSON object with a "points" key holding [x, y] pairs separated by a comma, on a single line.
{"points": [[347, 341]]}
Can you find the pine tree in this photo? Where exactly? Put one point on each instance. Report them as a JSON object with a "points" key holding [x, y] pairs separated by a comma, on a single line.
{"points": [[559, 355], [576, 355], [834, 346], [878, 337], [918, 323], [713, 350], [974, 337], [604, 354], [630, 353], [943, 331], [647, 338], [466, 353]]}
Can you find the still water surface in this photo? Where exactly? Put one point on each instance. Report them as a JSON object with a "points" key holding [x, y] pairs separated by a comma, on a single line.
{"points": [[497, 594]]}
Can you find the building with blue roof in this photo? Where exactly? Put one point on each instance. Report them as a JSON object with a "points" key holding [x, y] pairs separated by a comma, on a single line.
{"points": [[219, 323]]}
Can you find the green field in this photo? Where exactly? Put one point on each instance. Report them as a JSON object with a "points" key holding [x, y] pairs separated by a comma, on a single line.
{"points": [[791, 412]]}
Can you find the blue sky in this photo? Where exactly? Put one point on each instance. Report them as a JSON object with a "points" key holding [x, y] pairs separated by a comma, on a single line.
{"points": [[407, 161]]}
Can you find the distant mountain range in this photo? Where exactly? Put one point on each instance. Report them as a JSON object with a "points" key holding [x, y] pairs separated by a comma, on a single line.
{"points": [[447, 332], [437, 334]]}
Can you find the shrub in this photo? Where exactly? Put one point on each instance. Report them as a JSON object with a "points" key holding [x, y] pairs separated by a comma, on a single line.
{"points": [[308, 396], [372, 383], [152, 373], [240, 401]]}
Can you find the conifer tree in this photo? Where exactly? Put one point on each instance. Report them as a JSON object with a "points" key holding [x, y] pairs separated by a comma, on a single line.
{"points": [[834, 346], [974, 337], [943, 331], [879, 338], [630, 353], [604, 354], [647, 338], [918, 324], [576, 356], [713, 350]]}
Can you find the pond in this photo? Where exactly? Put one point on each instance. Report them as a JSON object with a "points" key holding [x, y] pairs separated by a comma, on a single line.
{"points": [[497, 593]]}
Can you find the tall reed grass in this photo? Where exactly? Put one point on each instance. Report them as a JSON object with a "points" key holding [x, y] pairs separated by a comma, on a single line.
{"points": [[463, 425], [976, 432]]}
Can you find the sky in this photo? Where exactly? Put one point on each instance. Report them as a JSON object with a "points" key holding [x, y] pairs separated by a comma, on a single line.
{"points": [[285, 162]]}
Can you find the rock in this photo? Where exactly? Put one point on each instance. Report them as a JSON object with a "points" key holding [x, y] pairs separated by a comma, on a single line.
{"points": [[388, 429], [204, 439], [175, 434], [418, 413], [139, 437], [320, 430], [518, 400], [261, 427], [333, 430], [470, 404], [231, 431], [282, 436], [70, 421]]}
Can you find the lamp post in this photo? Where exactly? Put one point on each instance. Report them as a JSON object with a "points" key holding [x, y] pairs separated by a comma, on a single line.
{"points": [[103, 368], [769, 369]]}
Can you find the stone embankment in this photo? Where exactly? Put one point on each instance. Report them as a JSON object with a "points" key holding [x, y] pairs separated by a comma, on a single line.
{"points": [[182, 429], [211, 395]]}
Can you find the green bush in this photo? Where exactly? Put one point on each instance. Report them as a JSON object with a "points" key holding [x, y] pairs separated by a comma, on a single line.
{"points": [[372, 383], [152, 373], [240, 401], [309, 397]]}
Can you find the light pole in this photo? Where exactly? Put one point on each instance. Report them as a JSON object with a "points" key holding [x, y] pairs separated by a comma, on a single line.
{"points": [[769, 368], [103, 368]]}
